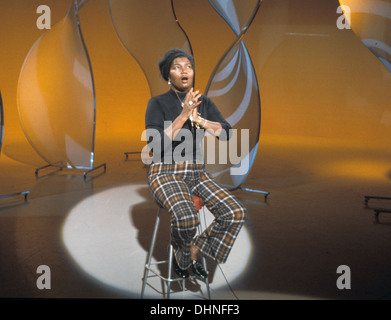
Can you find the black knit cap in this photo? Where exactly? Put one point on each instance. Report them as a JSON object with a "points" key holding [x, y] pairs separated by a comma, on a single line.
{"points": [[169, 56]]}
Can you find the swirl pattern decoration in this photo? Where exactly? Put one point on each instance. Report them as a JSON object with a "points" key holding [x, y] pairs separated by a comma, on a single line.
{"points": [[56, 96], [234, 87]]}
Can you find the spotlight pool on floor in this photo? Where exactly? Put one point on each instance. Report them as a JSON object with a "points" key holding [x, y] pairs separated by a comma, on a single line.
{"points": [[102, 238]]}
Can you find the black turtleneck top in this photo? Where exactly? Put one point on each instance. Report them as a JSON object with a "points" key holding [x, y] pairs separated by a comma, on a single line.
{"points": [[162, 110]]}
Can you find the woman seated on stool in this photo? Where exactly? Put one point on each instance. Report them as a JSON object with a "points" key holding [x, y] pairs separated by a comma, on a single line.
{"points": [[175, 124]]}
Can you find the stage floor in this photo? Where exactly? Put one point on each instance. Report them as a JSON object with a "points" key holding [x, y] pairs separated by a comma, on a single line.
{"points": [[93, 233]]}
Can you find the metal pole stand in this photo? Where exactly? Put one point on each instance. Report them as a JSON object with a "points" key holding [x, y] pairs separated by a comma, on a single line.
{"points": [[377, 210], [367, 198], [103, 165], [61, 168], [266, 193], [23, 193], [127, 153], [130, 152]]}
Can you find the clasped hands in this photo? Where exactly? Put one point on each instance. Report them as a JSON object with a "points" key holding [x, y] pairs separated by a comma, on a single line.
{"points": [[190, 107]]}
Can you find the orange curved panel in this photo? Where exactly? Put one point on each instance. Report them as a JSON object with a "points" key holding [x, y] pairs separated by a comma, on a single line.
{"points": [[56, 96], [370, 20], [1, 122], [147, 29]]}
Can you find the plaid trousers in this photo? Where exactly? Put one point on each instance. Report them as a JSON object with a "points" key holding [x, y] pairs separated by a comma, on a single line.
{"points": [[172, 186]]}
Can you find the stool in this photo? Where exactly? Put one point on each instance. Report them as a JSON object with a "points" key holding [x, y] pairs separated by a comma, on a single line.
{"points": [[198, 202]]}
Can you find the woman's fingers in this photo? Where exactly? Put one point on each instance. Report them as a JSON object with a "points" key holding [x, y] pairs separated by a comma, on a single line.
{"points": [[192, 98]]}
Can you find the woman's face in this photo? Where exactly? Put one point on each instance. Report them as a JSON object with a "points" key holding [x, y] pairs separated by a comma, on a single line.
{"points": [[181, 74]]}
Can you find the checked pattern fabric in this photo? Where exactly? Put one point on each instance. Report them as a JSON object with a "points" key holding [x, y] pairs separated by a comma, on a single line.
{"points": [[173, 187]]}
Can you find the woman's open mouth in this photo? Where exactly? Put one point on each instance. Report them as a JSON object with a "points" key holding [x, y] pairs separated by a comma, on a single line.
{"points": [[185, 80]]}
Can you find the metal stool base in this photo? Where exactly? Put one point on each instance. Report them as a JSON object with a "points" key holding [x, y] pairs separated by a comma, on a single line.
{"points": [[149, 266]]}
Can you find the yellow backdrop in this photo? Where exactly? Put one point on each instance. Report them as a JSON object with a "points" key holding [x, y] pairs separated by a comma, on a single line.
{"points": [[316, 81]]}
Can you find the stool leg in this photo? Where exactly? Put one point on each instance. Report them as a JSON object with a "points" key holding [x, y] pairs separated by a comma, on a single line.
{"points": [[150, 253], [203, 257], [169, 278], [207, 279], [169, 272]]}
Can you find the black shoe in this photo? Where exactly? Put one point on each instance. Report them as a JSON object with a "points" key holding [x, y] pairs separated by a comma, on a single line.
{"points": [[198, 270], [179, 272]]}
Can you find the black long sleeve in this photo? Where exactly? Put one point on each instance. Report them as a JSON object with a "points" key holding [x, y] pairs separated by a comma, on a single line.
{"points": [[166, 108]]}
